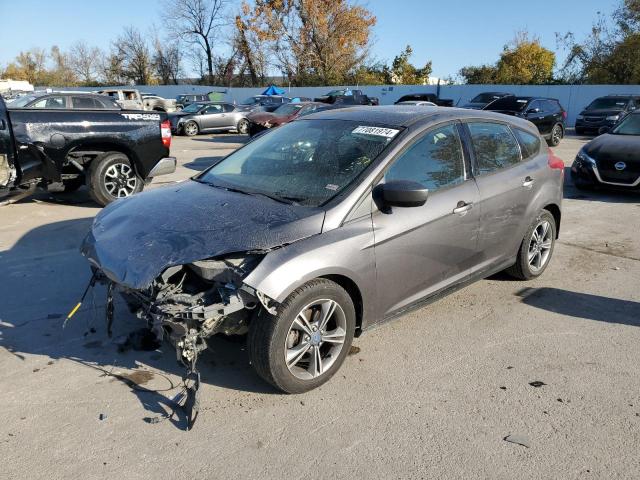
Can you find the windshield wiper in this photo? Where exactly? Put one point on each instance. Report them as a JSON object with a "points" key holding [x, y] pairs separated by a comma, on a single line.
{"points": [[278, 198]]}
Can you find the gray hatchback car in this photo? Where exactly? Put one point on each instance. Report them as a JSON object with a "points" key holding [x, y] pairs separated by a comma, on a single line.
{"points": [[322, 228]]}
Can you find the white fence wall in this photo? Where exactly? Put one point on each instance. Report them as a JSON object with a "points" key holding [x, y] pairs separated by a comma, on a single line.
{"points": [[572, 97]]}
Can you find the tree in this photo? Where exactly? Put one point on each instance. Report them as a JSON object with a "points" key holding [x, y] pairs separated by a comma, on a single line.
{"points": [[85, 62], [525, 62], [483, 74], [134, 57], [609, 54], [404, 73], [167, 60], [311, 41], [196, 22], [62, 74]]}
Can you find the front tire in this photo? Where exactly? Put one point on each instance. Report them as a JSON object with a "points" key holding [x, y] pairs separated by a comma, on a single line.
{"points": [[111, 176], [243, 126], [191, 129], [536, 248], [306, 342]]}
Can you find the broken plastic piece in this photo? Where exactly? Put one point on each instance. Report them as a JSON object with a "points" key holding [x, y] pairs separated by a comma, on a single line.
{"points": [[518, 440], [192, 402]]}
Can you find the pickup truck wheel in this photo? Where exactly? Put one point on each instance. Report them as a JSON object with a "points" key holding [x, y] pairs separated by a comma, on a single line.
{"points": [[190, 129], [243, 126], [305, 343], [536, 248], [111, 176]]}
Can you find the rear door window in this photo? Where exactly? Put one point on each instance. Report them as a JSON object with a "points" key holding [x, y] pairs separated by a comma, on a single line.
{"points": [[51, 102], [529, 142], [85, 102], [494, 146], [436, 160]]}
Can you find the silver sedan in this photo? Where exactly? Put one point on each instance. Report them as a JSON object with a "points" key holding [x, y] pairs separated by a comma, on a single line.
{"points": [[209, 116]]}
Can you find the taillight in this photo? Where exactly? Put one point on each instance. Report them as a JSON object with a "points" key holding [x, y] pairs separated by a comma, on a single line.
{"points": [[555, 162], [564, 115], [165, 133]]}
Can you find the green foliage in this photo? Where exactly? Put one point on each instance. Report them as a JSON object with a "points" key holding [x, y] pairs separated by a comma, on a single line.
{"points": [[404, 73], [523, 62]]}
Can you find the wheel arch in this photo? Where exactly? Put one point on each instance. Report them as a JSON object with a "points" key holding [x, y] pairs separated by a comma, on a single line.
{"points": [[354, 292], [94, 150], [557, 215]]}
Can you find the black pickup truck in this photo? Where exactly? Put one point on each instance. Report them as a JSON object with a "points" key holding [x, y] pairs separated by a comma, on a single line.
{"points": [[115, 153]]}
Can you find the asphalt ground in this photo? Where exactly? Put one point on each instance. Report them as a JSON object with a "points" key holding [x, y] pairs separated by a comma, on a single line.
{"points": [[552, 364]]}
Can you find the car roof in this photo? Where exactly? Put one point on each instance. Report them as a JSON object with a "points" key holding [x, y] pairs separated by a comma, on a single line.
{"points": [[409, 115]]}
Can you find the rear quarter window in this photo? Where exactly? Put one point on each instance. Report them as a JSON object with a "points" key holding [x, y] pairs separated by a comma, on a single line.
{"points": [[529, 143], [494, 146]]}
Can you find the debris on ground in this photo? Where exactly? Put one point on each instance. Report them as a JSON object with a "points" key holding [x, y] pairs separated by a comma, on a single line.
{"points": [[102, 416], [354, 350], [518, 440], [537, 384]]}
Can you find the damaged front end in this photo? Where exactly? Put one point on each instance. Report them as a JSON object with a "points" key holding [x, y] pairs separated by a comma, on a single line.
{"points": [[189, 303]]}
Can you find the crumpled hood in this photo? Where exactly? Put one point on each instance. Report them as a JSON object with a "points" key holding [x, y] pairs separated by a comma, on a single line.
{"points": [[135, 239], [261, 117], [624, 148]]}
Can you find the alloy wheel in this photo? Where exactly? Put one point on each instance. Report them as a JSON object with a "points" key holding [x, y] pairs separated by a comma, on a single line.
{"points": [[315, 339], [191, 129], [540, 246], [120, 180], [556, 134]]}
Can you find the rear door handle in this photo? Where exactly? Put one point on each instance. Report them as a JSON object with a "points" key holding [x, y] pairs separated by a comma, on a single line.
{"points": [[462, 208], [528, 182]]}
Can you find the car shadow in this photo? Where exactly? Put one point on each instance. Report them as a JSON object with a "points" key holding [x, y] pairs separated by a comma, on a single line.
{"points": [[45, 276], [202, 163], [79, 198], [223, 138], [582, 305]]}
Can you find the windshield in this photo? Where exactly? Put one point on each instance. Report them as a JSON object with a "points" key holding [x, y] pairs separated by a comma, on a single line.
{"points": [[286, 110], [307, 162], [192, 108], [250, 101], [629, 126], [22, 101], [608, 103], [509, 104], [485, 98]]}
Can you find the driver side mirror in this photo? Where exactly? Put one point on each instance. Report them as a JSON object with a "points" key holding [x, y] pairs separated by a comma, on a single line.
{"points": [[532, 110], [400, 193]]}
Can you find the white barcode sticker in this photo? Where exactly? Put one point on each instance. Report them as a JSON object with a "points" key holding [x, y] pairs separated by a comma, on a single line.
{"points": [[377, 131]]}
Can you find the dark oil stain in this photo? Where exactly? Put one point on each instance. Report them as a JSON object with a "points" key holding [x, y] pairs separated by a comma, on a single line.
{"points": [[36, 370], [354, 350]]}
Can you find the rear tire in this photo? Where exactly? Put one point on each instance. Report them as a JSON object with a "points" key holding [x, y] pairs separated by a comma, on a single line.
{"points": [[557, 134], [536, 249], [111, 176], [295, 350]]}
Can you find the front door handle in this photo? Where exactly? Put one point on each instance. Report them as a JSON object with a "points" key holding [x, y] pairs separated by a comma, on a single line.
{"points": [[528, 182], [462, 208]]}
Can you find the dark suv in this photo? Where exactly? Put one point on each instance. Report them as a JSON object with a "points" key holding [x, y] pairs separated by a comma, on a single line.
{"points": [[605, 112], [545, 113], [185, 100]]}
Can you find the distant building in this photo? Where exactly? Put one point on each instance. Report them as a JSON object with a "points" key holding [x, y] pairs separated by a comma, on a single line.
{"points": [[7, 86]]}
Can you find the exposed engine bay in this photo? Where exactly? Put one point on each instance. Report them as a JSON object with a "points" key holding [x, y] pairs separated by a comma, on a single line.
{"points": [[188, 304]]}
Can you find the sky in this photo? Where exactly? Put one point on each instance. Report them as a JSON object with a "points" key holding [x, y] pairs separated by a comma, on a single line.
{"points": [[451, 33]]}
